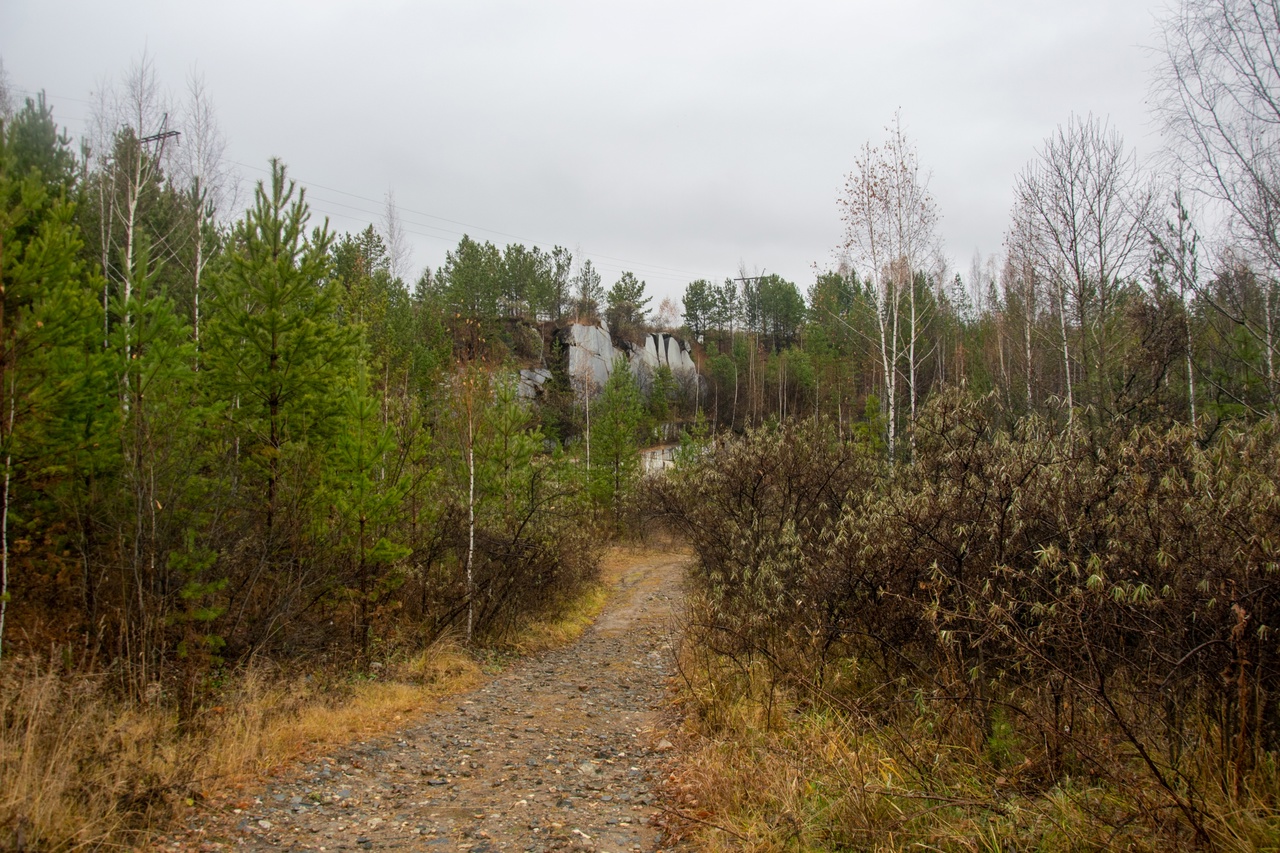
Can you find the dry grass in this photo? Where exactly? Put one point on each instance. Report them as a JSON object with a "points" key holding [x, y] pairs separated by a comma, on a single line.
{"points": [[75, 770], [566, 628], [766, 771], [267, 722], [80, 768]]}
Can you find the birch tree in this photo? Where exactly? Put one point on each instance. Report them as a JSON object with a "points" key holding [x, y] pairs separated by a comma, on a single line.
{"points": [[1022, 291], [399, 252], [1177, 258], [890, 224], [1085, 209], [130, 144], [204, 176], [1218, 98], [6, 95]]}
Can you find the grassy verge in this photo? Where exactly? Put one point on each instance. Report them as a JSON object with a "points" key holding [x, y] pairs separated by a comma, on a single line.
{"points": [[764, 768], [565, 628], [81, 768]]}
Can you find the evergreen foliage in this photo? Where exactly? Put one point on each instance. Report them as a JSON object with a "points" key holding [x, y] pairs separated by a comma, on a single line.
{"points": [[627, 305], [617, 419]]}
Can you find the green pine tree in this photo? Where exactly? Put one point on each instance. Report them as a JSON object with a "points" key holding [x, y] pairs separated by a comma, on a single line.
{"points": [[276, 351], [364, 495], [617, 418], [53, 381]]}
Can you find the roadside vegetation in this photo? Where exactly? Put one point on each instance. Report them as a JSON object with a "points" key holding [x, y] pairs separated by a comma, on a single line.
{"points": [[1032, 637], [256, 491]]}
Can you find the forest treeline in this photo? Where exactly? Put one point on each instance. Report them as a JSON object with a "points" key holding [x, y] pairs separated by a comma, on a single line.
{"points": [[1106, 303], [227, 439]]}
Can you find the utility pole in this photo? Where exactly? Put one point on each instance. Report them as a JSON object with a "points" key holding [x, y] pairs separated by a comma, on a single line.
{"points": [[162, 135]]}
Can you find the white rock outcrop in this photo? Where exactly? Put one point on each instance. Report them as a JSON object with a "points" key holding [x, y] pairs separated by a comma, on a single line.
{"points": [[592, 353], [531, 381], [591, 356], [662, 349]]}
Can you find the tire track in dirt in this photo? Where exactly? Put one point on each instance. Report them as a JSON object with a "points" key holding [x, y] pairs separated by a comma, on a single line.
{"points": [[560, 751]]}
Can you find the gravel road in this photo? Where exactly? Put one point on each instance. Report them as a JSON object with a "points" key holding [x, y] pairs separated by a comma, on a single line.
{"points": [[561, 751]]}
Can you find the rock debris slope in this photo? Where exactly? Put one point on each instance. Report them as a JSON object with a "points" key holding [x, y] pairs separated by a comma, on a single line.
{"points": [[561, 751]]}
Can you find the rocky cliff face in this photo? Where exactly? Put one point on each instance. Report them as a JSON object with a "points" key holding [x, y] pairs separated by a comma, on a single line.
{"points": [[661, 349], [590, 353], [591, 356]]}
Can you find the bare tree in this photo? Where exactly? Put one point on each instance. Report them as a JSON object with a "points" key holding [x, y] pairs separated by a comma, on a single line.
{"points": [[867, 247], [890, 232], [1085, 209], [130, 127], [913, 239], [1022, 289], [399, 252], [1219, 101], [668, 316], [202, 171], [1176, 243], [6, 95]]}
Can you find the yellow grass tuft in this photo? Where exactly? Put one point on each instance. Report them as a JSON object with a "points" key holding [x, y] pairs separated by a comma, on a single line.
{"points": [[566, 627], [267, 724]]}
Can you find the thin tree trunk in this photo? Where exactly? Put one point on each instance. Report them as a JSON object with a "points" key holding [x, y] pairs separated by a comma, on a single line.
{"points": [[911, 364], [5, 372], [1026, 343], [1066, 356], [888, 369], [1191, 376], [733, 422], [891, 369], [106, 216], [4, 523], [195, 288], [471, 516], [135, 191], [1269, 302]]}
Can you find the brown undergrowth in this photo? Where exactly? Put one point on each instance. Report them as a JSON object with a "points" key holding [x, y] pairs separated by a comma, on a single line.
{"points": [[770, 767], [81, 768], [1025, 639]]}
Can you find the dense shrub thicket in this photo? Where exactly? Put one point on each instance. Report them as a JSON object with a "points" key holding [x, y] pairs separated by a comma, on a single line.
{"points": [[1066, 607]]}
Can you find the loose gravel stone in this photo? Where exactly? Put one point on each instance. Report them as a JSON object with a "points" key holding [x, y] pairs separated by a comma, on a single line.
{"points": [[559, 752]]}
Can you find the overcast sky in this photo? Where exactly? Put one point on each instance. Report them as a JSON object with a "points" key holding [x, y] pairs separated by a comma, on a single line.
{"points": [[678, 140]]}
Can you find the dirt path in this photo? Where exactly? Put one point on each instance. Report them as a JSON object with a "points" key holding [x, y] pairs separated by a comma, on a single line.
{"points": [[561, 751]]}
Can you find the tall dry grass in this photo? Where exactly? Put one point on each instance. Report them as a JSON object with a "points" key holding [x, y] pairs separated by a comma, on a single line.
{"points": [[767, 768], [78, 769], [82, 768]]}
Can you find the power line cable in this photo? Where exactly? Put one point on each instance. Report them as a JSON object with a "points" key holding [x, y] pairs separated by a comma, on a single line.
{"points": [[640, 265], [649, 270]]}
